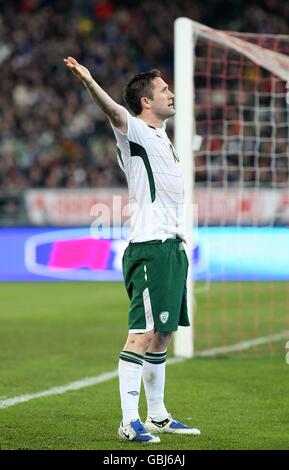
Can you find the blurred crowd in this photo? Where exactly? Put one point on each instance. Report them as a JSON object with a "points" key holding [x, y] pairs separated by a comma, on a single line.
{"points": [[242, 115], [51, 133]]}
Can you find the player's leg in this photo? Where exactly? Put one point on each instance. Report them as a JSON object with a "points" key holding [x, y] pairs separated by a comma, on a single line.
{"points": [[169, 302], [153, 375], [139, 342], [141, 331], [130, 372], [166, 276], [158, 418]]}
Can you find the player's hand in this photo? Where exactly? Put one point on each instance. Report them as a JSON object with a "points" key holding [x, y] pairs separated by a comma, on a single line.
{"points": [[81, 72]]}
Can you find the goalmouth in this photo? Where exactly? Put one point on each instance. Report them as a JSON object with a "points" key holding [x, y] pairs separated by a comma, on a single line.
{"points": [[268, 57]]}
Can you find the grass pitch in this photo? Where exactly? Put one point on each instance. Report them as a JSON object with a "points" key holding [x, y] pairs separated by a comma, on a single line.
{"points": [[55, 333]]}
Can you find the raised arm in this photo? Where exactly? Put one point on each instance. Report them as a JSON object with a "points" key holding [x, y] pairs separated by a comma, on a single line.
{"points": [[115, 112]]}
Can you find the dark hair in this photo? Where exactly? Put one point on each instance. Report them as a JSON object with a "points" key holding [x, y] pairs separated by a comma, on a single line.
{"points": [[140, 85]]}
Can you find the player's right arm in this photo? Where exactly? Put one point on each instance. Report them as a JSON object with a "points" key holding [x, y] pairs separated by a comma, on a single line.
{"points": [[115, 112]]}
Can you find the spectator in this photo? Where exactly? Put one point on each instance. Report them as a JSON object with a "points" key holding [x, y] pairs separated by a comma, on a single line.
{"points": [[50, 134]]}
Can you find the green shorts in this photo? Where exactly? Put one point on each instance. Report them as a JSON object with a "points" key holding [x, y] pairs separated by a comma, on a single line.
{"points": [[155, 276]]}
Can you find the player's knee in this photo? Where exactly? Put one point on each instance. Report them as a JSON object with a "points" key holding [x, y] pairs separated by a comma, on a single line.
{"points": [[139, 342], [162, 339]]}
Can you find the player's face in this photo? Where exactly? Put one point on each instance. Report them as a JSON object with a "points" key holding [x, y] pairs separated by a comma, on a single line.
{"points": [[163, 99]]}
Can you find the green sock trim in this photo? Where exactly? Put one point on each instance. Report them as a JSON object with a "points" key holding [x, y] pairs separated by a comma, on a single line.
{"points": [[138, 356], [131, 357], [156, 354], [155, 361], [156, 358], [133, 361]]}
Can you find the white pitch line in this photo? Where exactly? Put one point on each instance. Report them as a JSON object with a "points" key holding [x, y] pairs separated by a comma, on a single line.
{"points": [[90, 381], [244, 345], [58, 390], [72, 386]]}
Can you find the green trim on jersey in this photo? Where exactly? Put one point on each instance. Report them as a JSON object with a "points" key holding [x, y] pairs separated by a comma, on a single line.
{"points": [[119, 155], [137, 150]]}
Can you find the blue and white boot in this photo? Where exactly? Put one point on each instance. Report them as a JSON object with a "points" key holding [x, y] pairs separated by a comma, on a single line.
{"points": [[170, 425], [136, 432]]}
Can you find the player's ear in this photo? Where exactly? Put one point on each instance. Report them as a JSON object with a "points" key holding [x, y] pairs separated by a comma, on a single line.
{"points": [[145, 102]]}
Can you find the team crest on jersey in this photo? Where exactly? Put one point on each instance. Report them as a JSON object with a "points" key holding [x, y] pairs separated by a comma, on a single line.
{"points": [[164, 316]]}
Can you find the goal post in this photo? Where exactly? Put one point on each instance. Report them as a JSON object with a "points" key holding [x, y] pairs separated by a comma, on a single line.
{"points": [[184, 132], [230, 89]]}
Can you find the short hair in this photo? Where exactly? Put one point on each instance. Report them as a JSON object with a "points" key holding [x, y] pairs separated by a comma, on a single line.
{"points": [[140, 85]]}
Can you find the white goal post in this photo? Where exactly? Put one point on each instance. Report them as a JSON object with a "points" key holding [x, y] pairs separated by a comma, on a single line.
{"points": [[267, 58], [184, 131]]}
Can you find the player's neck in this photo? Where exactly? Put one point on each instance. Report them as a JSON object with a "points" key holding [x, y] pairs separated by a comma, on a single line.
{"points": [[152, 121]]}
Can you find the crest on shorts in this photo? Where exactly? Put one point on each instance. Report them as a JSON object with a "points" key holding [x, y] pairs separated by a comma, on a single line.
{"points": [[164, 317]]}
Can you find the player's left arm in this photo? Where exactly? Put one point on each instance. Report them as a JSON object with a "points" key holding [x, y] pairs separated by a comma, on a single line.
{"points": [[116, 113]]}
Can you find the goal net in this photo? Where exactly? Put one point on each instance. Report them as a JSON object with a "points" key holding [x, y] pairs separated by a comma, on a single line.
{"points": [[240, 182]]}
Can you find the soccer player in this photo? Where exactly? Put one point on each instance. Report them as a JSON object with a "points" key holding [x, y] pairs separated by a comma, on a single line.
{"points": [[154, 263]]}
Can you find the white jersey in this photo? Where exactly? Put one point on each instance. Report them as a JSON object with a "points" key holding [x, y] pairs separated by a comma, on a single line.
{"points": [[155, 182]]}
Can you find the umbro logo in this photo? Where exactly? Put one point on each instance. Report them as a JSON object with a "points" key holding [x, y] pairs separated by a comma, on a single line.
{"points": [[164, 316], [134, 393]]}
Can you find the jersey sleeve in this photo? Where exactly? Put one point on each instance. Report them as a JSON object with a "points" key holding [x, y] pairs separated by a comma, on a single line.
{"points": [[135, 133]]}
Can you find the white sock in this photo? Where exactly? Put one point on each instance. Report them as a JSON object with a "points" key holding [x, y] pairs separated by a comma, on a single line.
{"points": [[154, 384], [130, 372]]}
